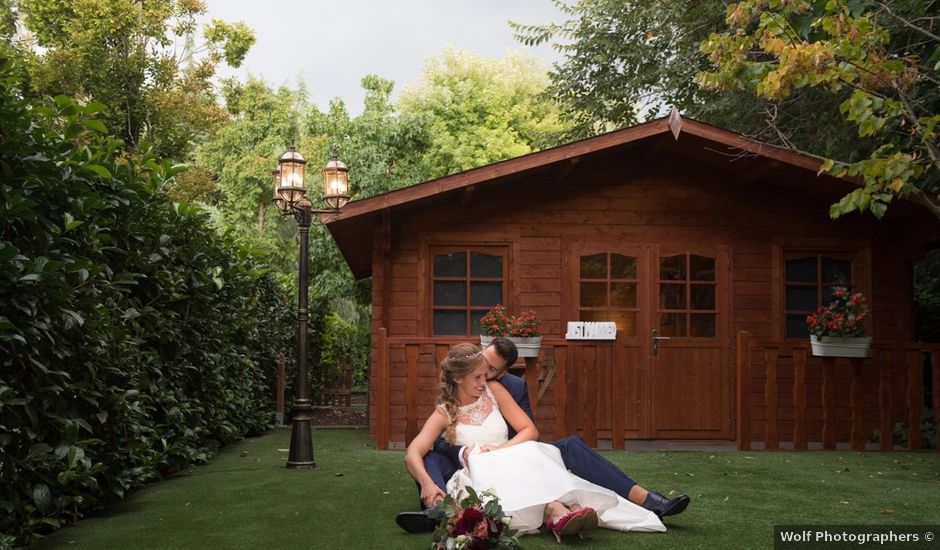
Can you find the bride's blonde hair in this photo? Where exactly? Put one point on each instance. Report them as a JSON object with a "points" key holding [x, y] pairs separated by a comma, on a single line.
{"points": [[461, 360]]}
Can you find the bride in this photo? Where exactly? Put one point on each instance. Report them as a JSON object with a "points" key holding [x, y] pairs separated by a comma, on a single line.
{"points": [[529, 477]]}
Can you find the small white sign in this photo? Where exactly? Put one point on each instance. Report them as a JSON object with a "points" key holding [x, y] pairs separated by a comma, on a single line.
{"points": [[591, 330]]}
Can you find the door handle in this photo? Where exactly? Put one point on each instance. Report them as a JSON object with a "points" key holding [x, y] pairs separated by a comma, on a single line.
{"points": [[656, 339]]}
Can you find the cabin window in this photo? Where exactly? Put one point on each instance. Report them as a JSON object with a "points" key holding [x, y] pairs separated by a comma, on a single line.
{"points": [[810, 280], [465, 284], [608, 290], [687, 296]]}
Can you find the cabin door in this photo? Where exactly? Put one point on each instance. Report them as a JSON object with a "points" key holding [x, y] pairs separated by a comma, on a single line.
{"points": [[689, 344], [667, 376]]}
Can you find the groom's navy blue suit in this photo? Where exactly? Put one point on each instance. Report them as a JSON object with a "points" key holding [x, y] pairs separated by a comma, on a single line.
{"points": [[442, 461]]}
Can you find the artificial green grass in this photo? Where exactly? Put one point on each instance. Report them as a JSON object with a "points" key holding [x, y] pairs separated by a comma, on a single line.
{"points": [[245, 498]]}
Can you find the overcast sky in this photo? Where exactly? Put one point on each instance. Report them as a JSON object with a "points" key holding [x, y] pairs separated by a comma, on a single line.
{"points": [[331, 45]]}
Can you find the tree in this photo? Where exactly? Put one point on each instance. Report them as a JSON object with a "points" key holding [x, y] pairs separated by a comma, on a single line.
{"points": [[884, 58], [482, 110], [630, 61], [139, 58], [239, 159], [626, 60]]}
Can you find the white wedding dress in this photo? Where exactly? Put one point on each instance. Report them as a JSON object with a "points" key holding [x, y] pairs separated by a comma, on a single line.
{"points": [[529, 475]]}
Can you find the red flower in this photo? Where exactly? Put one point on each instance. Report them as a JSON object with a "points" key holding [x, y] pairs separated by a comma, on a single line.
{"points": [[467, 521], [842, 317]]}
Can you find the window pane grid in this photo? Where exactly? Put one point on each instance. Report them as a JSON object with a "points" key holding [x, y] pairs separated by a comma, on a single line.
{"points": [[688, 290], [607, 284], [457, 308], [830, 273]]}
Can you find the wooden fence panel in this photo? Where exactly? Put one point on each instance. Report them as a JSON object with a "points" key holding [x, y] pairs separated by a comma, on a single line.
{"points": [[829, 403], [858, 407], [799, 400], [743, 383], [915, 392], [771, 437], [886, 434]]}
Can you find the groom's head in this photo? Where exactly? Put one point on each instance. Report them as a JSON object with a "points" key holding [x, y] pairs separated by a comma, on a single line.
{"points": [[499, 356]]}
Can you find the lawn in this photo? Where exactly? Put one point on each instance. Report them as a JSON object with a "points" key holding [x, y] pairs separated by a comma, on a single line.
{"points": [[245, 498]]}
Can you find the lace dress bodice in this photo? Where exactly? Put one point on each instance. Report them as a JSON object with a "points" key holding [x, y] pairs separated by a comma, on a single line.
{"points": [[481, 423]]}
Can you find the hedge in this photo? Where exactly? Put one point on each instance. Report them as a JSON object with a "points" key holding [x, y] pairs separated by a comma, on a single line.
{"points": [[134, 339]]}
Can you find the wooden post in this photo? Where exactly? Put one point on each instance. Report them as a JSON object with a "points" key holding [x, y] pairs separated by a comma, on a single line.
{"points": [[589, 400], [561, 392], [743, 374], [915, 399], [381, 408], [618, 396], [935, 369], [412, 351], [799, 399], [886, 436], [771, 437], [828, 403], [532, 381], [858, 406]]}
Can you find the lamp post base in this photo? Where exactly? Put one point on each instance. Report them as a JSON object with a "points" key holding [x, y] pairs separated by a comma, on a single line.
{"points": [[301, 440]]}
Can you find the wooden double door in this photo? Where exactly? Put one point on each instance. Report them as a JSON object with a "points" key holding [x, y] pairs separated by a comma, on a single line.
{"points": [[668, 374]]}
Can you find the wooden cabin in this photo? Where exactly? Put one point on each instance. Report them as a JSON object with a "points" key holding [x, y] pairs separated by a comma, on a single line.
{"points": [[717, 244]]}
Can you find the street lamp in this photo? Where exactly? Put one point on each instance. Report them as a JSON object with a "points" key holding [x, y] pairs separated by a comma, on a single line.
{"points": [[290, 196]]}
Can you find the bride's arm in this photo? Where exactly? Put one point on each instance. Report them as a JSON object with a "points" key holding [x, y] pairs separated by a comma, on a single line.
{"points": [[414, 457], [514, 415]]}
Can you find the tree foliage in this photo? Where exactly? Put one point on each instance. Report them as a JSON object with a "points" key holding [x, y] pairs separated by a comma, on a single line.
{"points": [[139, 58], [480, 110], [882, 61], [133, 338], [625, 61]]}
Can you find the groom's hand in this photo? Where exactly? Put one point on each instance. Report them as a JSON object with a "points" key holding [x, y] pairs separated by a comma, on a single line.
{"points": [[430, 495]]}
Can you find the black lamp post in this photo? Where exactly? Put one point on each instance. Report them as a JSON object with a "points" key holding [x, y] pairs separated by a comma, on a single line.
{"points": [[290, 196]]}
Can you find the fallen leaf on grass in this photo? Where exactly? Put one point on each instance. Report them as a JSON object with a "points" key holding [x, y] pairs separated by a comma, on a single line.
{"points": [[843, 502], [282, 450], [887, 511], [339, 474]]}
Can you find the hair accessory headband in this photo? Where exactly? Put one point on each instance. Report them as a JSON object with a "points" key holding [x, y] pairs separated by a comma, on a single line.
{"points": [[466, 357]]}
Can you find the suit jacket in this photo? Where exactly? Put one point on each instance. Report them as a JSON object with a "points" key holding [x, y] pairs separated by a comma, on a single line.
{"points": [[519, 391]]}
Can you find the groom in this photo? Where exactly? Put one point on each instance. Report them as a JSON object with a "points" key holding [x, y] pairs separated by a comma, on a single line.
{"points": [[445, 459]]}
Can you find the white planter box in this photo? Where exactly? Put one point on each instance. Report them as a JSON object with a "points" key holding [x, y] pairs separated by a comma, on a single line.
{"points": [[832, 346]]}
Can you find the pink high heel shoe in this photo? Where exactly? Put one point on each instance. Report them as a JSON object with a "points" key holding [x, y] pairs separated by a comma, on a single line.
{"points": [[569, 524]]}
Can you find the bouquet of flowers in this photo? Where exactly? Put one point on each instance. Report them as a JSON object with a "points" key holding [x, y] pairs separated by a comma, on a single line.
{"points": [[842, 318], [497, 322], [473, 524]]}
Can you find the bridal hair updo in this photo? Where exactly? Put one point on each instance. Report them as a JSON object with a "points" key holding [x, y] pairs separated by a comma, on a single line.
{"points": [[461, 360]]}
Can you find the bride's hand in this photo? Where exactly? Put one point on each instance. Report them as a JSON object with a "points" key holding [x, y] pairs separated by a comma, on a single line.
{"points": [[488, 448]]}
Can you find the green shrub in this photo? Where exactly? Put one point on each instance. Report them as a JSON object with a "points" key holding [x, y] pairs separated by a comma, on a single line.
{"points": [[134, 340], [345, 341]]}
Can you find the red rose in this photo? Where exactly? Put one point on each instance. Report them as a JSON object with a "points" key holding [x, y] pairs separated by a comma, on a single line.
{"points": [[467, 521]]}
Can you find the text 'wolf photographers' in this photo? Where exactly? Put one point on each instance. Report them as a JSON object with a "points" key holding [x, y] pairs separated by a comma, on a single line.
{"points": [[789, 537]]}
